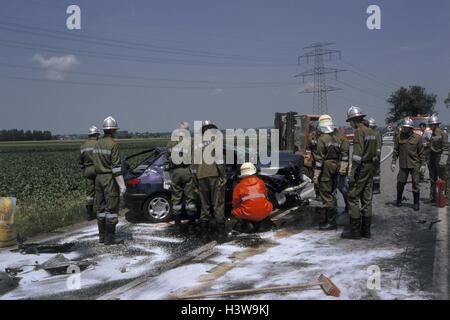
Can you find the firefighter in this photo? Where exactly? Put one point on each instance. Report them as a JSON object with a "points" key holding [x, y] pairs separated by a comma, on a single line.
{"points": [[376, 173], [437, 163], [87, 165], [360, 178], [327, 168], [408, 149], [109, 183], [211, 186], [250, 204], [342, 179], [178, 173], [312, 147], [426, 137]]}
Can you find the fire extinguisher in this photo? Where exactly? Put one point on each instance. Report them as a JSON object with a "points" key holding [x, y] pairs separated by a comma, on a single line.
{"points": [[440, 193]]}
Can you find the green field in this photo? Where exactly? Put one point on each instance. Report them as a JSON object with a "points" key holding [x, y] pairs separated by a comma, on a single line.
{"points": [[45, 178]]}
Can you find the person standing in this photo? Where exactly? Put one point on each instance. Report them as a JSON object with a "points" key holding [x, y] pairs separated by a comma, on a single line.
{"points": [[426, 137], [326, 171], [312, 147], [342, 180], [87, 165], [109, 184], [408, 149], [377, 171], [180, 175], [360, 178], [211, 186], [250, 204], [437, 163]]}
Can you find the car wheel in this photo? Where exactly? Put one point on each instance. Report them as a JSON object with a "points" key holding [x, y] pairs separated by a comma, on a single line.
{"points": [[158, 208]]}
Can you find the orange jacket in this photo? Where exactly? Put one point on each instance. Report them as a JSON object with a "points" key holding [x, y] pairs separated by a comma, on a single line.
{"points": [[250, 200]]}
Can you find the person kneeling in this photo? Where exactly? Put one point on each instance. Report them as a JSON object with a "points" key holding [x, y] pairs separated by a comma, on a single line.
{"points": [[250, 204]]}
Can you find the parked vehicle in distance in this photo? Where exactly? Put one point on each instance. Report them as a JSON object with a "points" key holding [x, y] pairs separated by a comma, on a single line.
{"points": [[145, 192], [348, 132]]}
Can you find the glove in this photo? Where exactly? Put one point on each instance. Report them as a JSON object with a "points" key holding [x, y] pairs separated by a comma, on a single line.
{"points": [[443, 161], [343, 168], [393, 166], [221, 181], [167, 182], [121, 183], [422, 170], [316, 176]]}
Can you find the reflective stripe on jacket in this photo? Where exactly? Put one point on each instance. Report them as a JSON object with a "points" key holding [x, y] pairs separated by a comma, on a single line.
{"points": [[250, 200]]}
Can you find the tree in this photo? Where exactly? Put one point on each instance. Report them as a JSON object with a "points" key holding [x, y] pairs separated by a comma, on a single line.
{"points": [[410, 102], [447, 101]]}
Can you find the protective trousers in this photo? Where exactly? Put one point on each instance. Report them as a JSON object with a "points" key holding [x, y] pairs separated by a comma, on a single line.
{"points": [[328, 182], [361, 191], [107, 196], [402, 177], [183, 189], [212, 197]]}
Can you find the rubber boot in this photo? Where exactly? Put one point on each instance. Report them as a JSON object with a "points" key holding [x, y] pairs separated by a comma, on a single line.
{"points": [[400, 195], [247, 227], [177, 219], [376, 188], [221, 232], [416, 201], [331, 220], [90, 212], [365, 227], [354, 232], [324, 222], [110, 237], [204, 230], [101, 230]]}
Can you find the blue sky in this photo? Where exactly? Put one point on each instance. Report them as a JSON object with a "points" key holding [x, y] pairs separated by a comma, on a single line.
{"points": [[152, 64]]}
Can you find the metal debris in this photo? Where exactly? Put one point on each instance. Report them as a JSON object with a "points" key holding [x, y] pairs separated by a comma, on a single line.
{"points": [[59, 264], [38, 248]]}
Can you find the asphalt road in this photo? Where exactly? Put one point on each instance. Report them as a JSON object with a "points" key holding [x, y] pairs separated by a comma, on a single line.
{"points": [[409, 249]]}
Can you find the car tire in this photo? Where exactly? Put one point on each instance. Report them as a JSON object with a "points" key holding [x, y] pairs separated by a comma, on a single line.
{"points": [[158, 208]]}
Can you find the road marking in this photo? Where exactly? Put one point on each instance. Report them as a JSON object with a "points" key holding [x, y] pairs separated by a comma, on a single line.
{"points": [[440, 266]]}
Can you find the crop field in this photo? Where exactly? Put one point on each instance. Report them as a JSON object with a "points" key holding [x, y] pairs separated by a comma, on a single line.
{"points": [[45, 178]]}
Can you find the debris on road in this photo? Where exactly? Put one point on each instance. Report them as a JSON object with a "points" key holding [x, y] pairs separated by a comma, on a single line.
{"points": [[7, 283], [59, 264], [328, 287], [38, 248]]}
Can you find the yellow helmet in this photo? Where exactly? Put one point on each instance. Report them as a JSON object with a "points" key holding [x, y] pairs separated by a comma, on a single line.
{"points": [[247, 169], [326, 124]]}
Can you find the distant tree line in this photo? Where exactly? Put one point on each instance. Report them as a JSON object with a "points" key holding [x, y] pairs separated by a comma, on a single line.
{"points": [[21, 135]]}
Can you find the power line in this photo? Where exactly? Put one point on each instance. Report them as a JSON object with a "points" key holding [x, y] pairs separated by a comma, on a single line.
{"points": [[125, 85], [18, 28], [124, 76]]}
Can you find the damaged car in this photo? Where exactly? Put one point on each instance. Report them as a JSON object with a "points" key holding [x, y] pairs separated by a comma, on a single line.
{"points": [[145, 192]]}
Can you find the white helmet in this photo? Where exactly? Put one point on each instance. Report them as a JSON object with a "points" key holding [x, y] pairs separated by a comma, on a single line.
{"points": [[407, 123], [326, 124], [433, 120], [110, 123], [247, 169], [372, 122], [354, 112], [183, 125], [93, 130]]}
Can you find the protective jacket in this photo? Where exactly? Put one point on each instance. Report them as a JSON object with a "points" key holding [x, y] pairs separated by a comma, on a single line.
{"points": [[409, 150], [250, 200]]}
